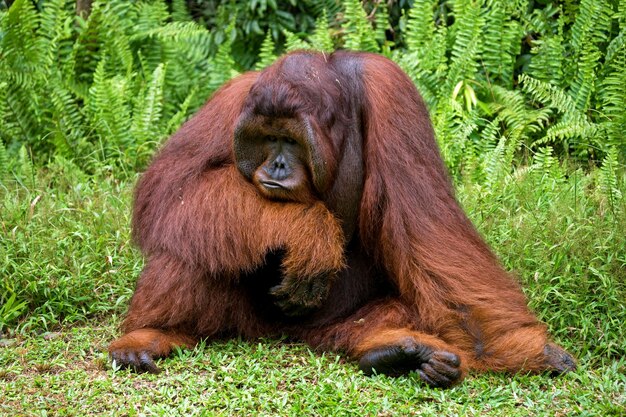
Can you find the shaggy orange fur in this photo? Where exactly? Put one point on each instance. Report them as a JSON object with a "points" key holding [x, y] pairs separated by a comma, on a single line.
{"points": [[373, 242]]}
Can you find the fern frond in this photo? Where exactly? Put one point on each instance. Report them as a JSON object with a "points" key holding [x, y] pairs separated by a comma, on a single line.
{"points": [[443, 124], [21, 56], [3, 108], [584, 84], [495, 165], [318, 7], [547, 56], [428, 66], [467, 27], [544, 161], [54, 26], [23, 113], [491, 135], [359, 33], [98, 99], [174, 123], [150, 15], [573, 127], [221, 66], [577, 132], [25, 60], [621, 14], [456, 126], [187, 35], [321, 39], [420, 27], [104, 34], [612, 91], [609, 184], [147, 111], [591, 28], [467, 45], [66, 117], [266, 54], [119, 50], [24, 165], [510, 105], [4, 162], [592, 25], [381, 22], [501, 43], [294, 42], [179, 11], [548, 94], [109, 111], [153, 35]]}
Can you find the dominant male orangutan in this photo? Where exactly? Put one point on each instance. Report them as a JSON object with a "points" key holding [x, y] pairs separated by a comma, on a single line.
{"points": [[310, 199]]}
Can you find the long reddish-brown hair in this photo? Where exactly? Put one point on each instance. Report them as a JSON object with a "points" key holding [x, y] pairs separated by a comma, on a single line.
{"points": [[374, 245]]}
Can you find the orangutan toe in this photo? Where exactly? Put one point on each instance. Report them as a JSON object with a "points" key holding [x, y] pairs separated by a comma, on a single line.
{"points": [[558, 361], [438, 368]]}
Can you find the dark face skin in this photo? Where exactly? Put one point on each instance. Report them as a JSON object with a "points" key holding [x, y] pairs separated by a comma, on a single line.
{"points": [[282, 175], [287, 159]]}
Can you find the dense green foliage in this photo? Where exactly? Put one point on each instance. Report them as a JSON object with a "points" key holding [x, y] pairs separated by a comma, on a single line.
{"points": [[503, 81], [528, 100], [102, 91], [252, 20]]}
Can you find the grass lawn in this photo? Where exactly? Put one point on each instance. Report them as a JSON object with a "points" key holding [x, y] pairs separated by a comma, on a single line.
{"points": [[67, 373], [68, 270]]}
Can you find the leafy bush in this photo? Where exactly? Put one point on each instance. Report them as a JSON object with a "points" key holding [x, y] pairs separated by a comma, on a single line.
{"points": [[101, 91]]}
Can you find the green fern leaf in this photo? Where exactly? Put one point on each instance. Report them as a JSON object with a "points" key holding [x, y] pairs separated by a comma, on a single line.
{"points": [[609, 184], [66, 117], [583, 85], [147, 112], [321, 38], [548, 94], [548, 52], [420, 27], [544, 160], [495, 164], [221, 67], [592, 25], [24, 166], [612, 91], [293, 42], [21, 57], [501, 43], [179, 11], [467, 46], [381, 22], [591, 28], [359, 33], [4, 162], [578, 134], [266, 55], [174, 123]]}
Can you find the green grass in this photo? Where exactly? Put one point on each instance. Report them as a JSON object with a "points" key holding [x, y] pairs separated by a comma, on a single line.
{"points": [[66, 373], [67, 272], [568, 248], [64, 248]]}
